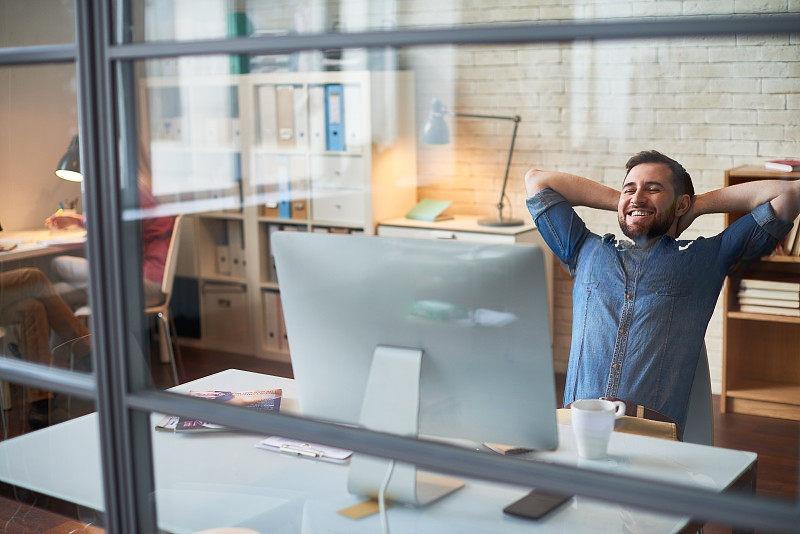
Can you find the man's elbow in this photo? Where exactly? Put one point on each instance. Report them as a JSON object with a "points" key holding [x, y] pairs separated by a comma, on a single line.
{"points": [[535, 181]]}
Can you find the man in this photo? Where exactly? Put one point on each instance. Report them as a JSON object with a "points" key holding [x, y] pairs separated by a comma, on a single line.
{"points": [[641, 307]]}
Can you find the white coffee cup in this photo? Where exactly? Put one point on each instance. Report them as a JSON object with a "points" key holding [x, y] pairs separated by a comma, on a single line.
{"points": [[592, 424]]}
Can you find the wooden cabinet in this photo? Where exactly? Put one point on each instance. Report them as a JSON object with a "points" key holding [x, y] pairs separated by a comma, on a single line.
{"points": [[761, 353]]}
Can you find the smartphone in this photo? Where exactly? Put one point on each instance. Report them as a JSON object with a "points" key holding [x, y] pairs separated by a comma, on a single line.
{"points": [[536, 504]]}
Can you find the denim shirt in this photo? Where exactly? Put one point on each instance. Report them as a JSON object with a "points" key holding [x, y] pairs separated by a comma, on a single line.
{"points": [[639, 315]]}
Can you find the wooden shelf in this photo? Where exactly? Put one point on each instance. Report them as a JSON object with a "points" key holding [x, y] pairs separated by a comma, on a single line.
{"points": [[223, 278], [782, 259], [764, 390], [283, 220], [269, 285], [221, 215], [771, 318]]}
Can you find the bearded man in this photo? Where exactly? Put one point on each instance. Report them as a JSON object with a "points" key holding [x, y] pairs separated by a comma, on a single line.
{"points": [[641, 307]]}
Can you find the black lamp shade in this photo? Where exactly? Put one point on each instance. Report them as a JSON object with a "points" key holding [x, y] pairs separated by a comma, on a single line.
{"points": [[69, 166], [435, 131]]}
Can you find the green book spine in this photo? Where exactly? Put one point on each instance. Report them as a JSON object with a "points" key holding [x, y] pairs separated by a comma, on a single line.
{"points": [[239, 26]]}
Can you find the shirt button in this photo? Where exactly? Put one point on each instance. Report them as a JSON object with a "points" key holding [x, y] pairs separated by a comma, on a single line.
{"points": [[622, 330], [628, 296]]}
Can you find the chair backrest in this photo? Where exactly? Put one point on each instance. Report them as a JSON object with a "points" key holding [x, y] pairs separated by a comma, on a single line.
{"points": [[699, 425], [171, 261]]}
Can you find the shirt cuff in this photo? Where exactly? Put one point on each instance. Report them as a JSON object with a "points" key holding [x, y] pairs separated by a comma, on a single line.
{"points": [[542, 201], [766, 219]]}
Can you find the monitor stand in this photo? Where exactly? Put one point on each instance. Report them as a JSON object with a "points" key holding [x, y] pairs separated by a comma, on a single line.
{"points": [[391, 404]]}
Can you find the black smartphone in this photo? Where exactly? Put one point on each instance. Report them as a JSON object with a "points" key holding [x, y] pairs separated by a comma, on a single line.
{"points": [[536, 504]]}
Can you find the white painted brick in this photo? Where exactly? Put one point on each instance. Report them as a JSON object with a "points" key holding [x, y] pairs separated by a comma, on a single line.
{"points": [[708, 7], [707, 162], [794, 6], [758, 133], [792, 133], [496, 57], [779, 117], [702, 70], [775, 69], [738, 53], [661, 8], [769, 39], [680, 117], [780, 53], [705, 131], [732, 116], [697, 101], [734, 85], [759, 6], [555, 12], [778, 149], [539, 55], [688, 85], [688, 54], [780, 85], [759, 101], [732, 148]]}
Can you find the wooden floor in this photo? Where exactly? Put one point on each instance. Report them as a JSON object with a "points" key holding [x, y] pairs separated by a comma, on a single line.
{"points": [[776, 441]]}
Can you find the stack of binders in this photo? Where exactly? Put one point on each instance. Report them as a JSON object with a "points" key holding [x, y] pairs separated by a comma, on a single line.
{"points": [[770, 296]]}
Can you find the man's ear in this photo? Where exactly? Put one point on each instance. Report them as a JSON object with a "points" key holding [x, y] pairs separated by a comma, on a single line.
{"points": [[683, 205]]}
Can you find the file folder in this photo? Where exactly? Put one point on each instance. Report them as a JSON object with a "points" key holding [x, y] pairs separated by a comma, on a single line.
{"points": [[334, 117], [236, 249], [354, 137], [316, 118], [300, 118], [266, 116], [284, 188], [285, 113], [272, 339]]}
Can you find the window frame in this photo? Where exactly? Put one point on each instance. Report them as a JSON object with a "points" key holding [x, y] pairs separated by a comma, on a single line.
{"points": [[103, 58]]}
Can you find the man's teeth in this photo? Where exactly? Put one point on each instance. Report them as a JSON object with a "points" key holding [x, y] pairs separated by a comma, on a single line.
{"points": [[639, 213]]}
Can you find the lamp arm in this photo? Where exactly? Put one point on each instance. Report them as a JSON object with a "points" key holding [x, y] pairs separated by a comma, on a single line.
{"points": [[514, 118], [500, 204]]}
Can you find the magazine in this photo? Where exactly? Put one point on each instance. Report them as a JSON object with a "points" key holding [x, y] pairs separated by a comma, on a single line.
{"points": [[264, 400]]}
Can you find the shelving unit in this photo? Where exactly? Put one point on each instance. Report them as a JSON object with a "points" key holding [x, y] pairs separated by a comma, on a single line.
{"points": [[761, 353], [373, 179]]}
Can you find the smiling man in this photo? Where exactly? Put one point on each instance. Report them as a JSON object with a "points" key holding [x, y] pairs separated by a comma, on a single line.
{"points": [[641, 307]]}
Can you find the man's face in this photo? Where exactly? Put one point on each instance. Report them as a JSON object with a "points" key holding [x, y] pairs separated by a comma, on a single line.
{"points": [[646, 206]]}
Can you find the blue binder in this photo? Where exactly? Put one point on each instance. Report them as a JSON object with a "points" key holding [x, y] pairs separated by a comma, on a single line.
{"points": [[284, 188], [334, 117]]}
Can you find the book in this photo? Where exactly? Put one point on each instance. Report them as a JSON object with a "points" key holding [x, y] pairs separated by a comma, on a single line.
{"points": [[775, 285], [783, 165], [770, 302], [769, 294], [770, 310], [429, 210], [791, 237], [263, 400]]}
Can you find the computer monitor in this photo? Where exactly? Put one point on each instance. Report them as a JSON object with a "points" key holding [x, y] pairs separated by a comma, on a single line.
{"points": [[418, 336]]}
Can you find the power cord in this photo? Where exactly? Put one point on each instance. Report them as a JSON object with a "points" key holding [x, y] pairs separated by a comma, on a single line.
{"points": [[382, 499]]}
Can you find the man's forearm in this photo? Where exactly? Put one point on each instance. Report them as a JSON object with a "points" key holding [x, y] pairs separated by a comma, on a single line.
{"points": [[745, 197], [577, 190]]}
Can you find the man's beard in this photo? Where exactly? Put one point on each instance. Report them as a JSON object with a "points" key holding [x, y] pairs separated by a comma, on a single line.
{"points": [[659, 226]]}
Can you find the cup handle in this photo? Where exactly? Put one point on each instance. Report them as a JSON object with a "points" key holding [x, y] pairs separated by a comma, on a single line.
{"points": [[619, 409]]}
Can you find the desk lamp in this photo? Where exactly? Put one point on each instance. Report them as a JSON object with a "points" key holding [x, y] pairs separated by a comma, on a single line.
{"points": [[69, 166], [435, 132]]}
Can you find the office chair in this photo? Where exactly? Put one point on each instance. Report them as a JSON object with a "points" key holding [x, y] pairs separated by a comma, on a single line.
{"points": [[166, 325], [699, 425]]}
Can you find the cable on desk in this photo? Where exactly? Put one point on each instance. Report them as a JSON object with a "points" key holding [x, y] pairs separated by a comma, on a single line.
{"points": [[382, 499]]}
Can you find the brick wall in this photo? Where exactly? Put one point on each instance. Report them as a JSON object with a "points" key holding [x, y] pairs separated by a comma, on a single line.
{"points": [[711, 103]]}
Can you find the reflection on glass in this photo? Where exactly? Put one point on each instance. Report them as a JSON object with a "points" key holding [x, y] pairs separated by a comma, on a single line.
{"points": [[37, 23], [340, 152]]}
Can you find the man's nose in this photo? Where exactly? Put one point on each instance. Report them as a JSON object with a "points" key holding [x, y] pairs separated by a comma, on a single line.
{"points": [[638, 198]]}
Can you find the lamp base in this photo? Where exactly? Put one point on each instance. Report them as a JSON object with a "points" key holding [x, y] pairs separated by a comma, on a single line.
{"points": [[501, 222]]}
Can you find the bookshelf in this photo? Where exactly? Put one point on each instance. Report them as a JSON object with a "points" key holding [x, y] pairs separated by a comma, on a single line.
{"points": [[373, 178], [761, 352]]}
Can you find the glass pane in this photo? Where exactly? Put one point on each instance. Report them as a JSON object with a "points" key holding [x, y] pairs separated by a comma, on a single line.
{"points": [[284, 176], [160, 20], [44, 274], [42, 22], [39, 490]]}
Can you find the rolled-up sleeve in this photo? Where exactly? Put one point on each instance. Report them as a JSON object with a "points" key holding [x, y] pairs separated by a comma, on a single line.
{"points": [[751, 237], [559, 225]]}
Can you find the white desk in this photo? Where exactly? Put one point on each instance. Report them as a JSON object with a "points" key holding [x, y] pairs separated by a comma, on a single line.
{"points": [[212, 480], [38, 243]]}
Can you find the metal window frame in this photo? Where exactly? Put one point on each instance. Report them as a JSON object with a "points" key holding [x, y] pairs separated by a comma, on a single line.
{"points": [[118, 386]]}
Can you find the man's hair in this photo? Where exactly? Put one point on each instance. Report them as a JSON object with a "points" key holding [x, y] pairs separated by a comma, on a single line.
{"points": [[681, 181]]}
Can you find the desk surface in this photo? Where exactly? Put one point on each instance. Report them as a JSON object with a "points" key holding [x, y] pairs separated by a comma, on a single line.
{"points": [[213, 480], [36, 243]]}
